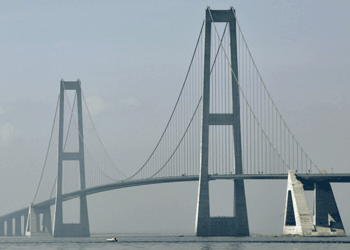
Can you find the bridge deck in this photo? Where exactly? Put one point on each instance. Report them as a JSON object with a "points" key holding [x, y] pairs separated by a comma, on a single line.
{"points": [[184, 178]]}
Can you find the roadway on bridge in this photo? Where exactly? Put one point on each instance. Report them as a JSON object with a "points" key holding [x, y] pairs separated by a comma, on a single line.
{"points": [[184, 178]]}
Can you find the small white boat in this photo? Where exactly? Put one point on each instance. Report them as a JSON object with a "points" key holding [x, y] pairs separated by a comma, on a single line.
{"points": [[112, 240]]}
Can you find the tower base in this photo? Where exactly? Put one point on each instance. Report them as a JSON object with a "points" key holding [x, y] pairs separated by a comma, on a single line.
{"points": [[221, 226], [71, 230], [81, 229]]}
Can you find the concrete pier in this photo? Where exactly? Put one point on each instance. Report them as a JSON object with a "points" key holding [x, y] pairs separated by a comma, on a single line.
{"points": [[9, 231], [2, 228], [25, 221], [18, 226], [37, 227], [297, 220]]}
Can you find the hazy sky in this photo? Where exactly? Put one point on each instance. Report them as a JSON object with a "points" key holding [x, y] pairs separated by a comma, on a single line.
{"points": [[132, 57]]}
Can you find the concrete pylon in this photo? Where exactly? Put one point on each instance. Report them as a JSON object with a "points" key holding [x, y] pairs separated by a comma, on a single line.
{"points": [[326, 217], [9, 231], [2, 228], [222, 226], [297, 219], [25, 220], [18, 226], [80, 229], [33, 227]]}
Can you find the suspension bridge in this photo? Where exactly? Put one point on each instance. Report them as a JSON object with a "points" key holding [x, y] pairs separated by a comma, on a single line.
{"points": [[224, 125]]}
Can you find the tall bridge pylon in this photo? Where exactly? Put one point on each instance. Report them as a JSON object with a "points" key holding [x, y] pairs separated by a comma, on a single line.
{"points": [[82, 228], [238, 224]]}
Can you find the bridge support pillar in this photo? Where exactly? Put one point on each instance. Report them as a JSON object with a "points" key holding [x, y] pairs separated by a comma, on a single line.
{"points": [[9, 231], [297, 220], [33, 226], [80, 229], [18, 226], [238, 224], [25, 221], [2, 228], [240, 209]]}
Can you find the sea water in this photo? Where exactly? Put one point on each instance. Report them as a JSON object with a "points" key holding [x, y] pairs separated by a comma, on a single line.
{"points": [[172, 242]]}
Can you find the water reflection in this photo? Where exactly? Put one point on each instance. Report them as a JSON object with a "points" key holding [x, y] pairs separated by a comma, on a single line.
{"points": [[223, 245]]}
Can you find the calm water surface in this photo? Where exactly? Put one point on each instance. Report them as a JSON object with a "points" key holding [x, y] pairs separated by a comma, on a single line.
{"points": [[173, 242]]}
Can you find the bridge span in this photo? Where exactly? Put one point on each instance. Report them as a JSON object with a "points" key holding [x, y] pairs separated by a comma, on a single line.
{"points": [[142, 182], [185, 178]]}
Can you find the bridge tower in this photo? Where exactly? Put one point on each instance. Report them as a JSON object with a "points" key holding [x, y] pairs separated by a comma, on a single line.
{"points": [[238, 224], [61, 229]]}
